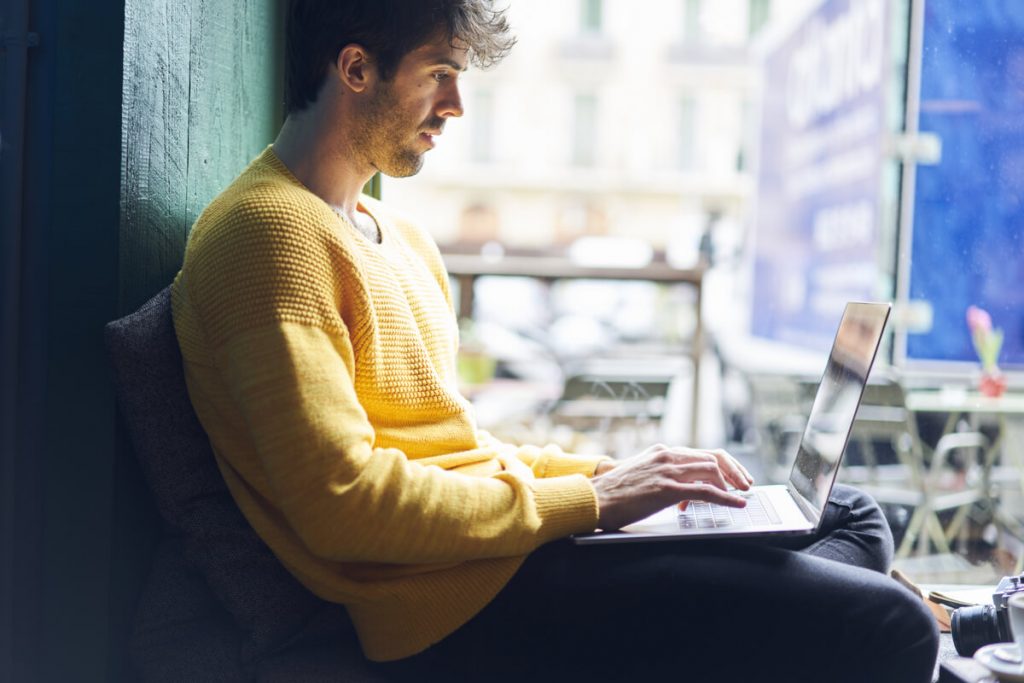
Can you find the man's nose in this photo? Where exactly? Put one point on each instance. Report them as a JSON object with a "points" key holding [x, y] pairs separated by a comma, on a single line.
{"points": [[450, 103]]}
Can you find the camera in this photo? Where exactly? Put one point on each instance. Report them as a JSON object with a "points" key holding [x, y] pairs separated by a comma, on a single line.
{"points": [[978, 625]]}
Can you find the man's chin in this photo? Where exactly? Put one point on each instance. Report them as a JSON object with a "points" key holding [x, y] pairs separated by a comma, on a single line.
{"points": [[404, 167]]}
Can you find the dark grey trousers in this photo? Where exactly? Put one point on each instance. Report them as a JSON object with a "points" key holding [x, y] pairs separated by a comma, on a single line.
{"points": [[816, 608]]}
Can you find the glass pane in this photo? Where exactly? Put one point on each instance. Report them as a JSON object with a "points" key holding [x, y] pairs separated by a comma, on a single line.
{"points": [[584, 139], [760, 12], [590, 16], [687, 133], [482, 123], [691, 23]]}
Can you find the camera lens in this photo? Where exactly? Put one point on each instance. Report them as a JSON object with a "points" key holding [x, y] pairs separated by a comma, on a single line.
{"points": [[973, 628]]}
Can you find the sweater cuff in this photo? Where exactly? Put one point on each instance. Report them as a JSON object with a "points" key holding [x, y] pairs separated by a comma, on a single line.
{"points": [[560, 466], [552, 461], [566, 505]]}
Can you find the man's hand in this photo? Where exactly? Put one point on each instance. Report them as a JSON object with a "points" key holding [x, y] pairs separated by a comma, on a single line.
{"points": [[660, 476]]}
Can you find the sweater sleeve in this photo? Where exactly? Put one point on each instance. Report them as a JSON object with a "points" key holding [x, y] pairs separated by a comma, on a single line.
{"points": [[293, 386], [278, 307]]}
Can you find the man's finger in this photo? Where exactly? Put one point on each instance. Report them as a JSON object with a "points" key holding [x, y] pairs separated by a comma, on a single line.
{"points": [[743, 470], [707, 472], [737, 472], [685, 456], [711, 494], [733, 472], [739, 476]]}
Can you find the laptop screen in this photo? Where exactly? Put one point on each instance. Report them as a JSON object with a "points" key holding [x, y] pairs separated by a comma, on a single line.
{"points": [[835, 404]]}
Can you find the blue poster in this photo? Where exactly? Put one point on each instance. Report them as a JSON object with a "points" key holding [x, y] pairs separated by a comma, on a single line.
{"points": [[819, 179], [969, 208]]}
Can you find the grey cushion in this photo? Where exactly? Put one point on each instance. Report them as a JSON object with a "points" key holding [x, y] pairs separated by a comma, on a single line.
{"points": [[181, 632], [184, 634], [270, 607]]}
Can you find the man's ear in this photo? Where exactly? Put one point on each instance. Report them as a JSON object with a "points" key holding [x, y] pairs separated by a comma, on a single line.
{"points": [[355, 68]]}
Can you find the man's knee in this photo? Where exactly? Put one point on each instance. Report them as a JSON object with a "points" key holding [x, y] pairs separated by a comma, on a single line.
{"points": [[864, 511], [908, 620], [862, 516], [900, 638], [853, 498]]}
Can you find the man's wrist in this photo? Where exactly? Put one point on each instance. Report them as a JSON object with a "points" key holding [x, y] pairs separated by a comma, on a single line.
{"points": [[604, 466]]}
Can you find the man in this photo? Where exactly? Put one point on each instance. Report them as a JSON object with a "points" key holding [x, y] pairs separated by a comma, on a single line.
{"points": [[319, 342]]}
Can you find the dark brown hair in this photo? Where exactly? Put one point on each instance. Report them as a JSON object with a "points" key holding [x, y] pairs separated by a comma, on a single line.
{"points": [[388, 29]]}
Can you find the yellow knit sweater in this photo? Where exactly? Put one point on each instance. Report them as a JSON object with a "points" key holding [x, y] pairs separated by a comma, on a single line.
{"points": [[322, 366]]}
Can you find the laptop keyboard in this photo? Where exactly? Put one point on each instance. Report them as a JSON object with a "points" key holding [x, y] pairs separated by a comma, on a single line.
{"points": [[700, 515]]}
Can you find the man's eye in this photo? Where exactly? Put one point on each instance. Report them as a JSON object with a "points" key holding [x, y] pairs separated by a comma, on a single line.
{"points": [[442, 76]]}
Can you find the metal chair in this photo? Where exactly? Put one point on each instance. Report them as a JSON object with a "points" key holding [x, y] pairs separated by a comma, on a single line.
{"points": [[931, 481]]}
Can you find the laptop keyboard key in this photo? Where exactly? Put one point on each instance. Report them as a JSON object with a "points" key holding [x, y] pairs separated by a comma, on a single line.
{"points": [[700, 515]]}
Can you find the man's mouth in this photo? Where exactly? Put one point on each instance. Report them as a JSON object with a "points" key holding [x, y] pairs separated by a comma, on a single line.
{"points": [[428, 136]]}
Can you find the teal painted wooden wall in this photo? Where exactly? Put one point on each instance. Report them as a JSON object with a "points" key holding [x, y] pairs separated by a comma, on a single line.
{"points": [[138, 112], [201, 98]]}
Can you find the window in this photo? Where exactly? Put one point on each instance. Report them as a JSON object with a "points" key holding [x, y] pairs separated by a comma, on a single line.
{"points": [[590, 16], [584, 131], [687, 153], [482, 127], [691, 21], [666, 157], [759, 14], [748, 139]]}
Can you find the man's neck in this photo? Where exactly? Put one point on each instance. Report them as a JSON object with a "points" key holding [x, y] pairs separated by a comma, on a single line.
{"points": [[319, 156]]}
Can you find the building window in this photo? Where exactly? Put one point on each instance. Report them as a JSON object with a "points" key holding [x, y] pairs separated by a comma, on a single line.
{"points": [[691, 21], [482, 134], [747, 139], [584, 132], [590, 16], [687, 151], [760, 13]]}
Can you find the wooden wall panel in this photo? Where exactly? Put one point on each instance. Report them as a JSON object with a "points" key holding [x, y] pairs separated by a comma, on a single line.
{"points": [[202, 93], [235, 98], [154, 143]]}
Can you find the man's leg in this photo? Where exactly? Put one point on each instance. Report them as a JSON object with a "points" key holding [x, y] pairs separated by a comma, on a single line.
{"points": [[690, 612], [853, 531], [694, 611]]}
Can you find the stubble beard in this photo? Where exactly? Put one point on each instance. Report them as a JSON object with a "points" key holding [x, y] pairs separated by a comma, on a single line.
{"points": [[388, 136]]}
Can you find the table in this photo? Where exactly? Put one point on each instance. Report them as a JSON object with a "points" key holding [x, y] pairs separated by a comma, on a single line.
{"points": [[1008, 411], [1008, 414]]}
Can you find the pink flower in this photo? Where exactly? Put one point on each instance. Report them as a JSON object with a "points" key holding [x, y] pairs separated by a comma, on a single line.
{"points": [[987, 341], [978, 320]]}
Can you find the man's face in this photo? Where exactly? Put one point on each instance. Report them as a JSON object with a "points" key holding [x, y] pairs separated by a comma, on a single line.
{"points": [[403, 115]]}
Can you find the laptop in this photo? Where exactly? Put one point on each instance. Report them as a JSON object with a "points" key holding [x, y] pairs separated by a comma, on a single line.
{"points": [[796, 507]]}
